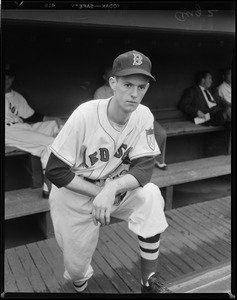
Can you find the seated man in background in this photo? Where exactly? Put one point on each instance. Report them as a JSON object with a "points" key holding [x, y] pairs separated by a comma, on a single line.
{"points": [[224, 91], [200, 101], [26, 129], [105, 91]]}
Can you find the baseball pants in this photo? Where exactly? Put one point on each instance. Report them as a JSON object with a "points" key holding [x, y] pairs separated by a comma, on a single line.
{"points": [[76, 234], [33, 138]]}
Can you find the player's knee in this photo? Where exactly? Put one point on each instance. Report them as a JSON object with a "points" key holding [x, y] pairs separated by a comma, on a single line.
{"points": [[151, 193], [151, 188]]}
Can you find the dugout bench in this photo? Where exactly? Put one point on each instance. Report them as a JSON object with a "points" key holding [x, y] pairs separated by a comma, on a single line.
{"points": [[206, 163]]}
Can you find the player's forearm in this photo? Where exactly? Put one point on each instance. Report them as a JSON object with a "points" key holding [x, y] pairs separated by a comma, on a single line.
{"points": [[81, 186], [122, 184]]}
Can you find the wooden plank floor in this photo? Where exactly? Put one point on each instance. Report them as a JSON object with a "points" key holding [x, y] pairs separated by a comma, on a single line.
{"points": [[198, 238]]}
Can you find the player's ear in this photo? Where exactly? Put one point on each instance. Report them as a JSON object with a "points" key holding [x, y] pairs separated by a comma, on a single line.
{"points": [[112, 82]]}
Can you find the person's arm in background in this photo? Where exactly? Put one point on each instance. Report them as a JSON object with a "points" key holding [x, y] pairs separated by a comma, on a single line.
{"points": [[59, 121], [186, 104], [36, 117]]}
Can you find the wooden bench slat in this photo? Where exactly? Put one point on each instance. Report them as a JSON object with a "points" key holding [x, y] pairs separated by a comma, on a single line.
{"points": [[177, 128], [194, 170], [24, 202]]}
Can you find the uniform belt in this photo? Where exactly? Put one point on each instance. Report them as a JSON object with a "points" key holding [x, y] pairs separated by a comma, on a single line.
{"points": [[119, 197], [92, 180]]}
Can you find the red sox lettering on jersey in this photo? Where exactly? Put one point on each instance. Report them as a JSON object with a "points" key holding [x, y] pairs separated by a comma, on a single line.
{"points": [[103, 154], [94, 149]]}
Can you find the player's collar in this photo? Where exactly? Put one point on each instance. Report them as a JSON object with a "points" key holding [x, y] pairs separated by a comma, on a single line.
{"points": [[104, 121]]}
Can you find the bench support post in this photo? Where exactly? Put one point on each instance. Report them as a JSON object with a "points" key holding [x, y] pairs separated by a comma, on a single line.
{"points": [[46, 225], [36, 171], [169, 197]]}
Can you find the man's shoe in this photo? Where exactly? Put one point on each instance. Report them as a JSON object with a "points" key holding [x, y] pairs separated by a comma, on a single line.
{"points": [[47, 186], [80, 288], [161, 166], [155, 286], [45, 194]]}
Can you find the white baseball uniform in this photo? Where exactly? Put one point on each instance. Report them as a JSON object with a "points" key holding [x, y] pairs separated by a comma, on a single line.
{"points": [[95, 150], [33, 138]]}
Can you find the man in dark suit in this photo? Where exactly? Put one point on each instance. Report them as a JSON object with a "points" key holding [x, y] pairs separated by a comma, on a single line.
{"points": [[199, 100]]}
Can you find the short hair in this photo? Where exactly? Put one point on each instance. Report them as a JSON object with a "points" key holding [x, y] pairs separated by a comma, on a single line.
{"points": [[202, 75]]}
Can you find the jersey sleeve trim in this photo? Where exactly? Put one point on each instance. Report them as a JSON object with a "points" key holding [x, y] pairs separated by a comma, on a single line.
{"points": [[155, 153], [61, 157]]}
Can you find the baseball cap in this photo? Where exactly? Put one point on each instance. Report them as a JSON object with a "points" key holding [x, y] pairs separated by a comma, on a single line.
{"points": [[132, 62]]}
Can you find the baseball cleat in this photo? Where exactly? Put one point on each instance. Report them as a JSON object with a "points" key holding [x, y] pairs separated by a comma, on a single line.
{"points": [[80, 288], [155, 286]]}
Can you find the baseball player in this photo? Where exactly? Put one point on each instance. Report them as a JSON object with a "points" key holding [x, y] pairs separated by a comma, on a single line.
{"points": [[26, 129], [100, 166], [105, 91]]}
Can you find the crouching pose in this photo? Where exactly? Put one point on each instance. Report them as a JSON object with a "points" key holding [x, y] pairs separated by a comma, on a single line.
{"points": [[100, 165]]}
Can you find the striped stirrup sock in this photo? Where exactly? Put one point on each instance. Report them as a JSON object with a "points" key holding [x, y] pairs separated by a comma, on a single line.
{"points": [[149, 247], [80, 288]]}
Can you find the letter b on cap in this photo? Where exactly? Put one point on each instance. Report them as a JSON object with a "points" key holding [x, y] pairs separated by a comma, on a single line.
{"points": [[137, 59]]}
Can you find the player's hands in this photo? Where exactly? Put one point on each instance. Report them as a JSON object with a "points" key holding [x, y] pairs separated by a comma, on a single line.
{"points": [[102, 205]]}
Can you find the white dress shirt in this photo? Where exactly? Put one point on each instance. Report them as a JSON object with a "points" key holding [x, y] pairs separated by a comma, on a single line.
{"points": [[210, 104]]}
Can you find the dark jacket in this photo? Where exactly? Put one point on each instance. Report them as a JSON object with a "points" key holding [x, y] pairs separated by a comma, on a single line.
{"points": [[194, 100]]}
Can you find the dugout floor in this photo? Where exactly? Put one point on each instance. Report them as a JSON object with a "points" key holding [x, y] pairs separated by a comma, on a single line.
{"points": [[197, 241]]}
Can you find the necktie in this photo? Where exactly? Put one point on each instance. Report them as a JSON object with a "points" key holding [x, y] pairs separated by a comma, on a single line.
{"points": [[209, 97]]}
